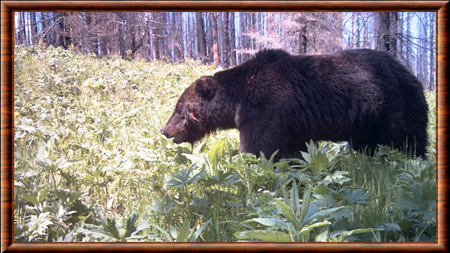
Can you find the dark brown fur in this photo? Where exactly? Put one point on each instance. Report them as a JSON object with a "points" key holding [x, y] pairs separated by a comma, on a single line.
{"points": [[280, 101]]}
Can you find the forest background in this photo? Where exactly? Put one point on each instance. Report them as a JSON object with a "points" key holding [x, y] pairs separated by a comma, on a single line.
{"points": [[92, 91], [229, 38]]}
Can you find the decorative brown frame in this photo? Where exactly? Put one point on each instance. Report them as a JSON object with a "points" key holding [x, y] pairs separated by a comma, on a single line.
{"points": [[7, 122]]}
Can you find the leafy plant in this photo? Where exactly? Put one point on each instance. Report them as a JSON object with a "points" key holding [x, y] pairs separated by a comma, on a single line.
{"points": [[91, 165], [109, 231], [300, 220], [185, 234]]}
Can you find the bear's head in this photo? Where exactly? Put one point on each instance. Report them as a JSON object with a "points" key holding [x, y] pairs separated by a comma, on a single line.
{"points": [[190, 120]]}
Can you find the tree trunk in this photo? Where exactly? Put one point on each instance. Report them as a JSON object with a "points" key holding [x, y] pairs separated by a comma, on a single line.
{"points": [[425, 51], [215, 39], [34, 29], [164, 44], [408, 38], [382, 22], [432, 51], [191, 36], [121, 33], [232, 40], [358, 35], [201, 37], [393, 23], [44, 23], [178, 31], [400, 37], [244, 37], [209, 36], [23, 31], [226, 40], [155, 36]]}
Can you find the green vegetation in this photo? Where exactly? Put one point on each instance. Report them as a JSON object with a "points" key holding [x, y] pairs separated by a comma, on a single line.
{"points": [[91, 165]]}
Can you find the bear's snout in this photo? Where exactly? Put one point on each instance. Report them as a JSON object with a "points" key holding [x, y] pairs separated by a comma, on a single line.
{"points": [[170, 132], [165, 132]]}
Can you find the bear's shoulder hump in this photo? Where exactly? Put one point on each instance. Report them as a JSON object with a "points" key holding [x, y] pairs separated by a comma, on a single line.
{"points": [[269, 55]]}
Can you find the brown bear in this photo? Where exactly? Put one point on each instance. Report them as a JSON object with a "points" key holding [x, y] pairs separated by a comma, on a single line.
{"points": [[280, 101]]}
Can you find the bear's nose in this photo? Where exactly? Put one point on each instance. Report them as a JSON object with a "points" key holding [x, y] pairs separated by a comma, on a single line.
{"points": [[163, 132]]}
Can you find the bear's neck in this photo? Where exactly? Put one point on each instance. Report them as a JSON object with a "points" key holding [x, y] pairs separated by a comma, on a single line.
{"points": [[225, 108], [222, 112]]}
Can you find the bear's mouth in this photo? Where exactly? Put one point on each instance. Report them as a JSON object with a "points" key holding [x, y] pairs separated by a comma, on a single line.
{"points": [[179, 138]]}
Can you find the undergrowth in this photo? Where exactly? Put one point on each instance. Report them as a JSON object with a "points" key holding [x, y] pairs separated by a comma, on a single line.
{"points": [[91, 165]]}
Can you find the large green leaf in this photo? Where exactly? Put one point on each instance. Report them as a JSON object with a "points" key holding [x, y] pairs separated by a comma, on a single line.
{"points": [[345, 233], [267, 165], [184, 178], [389, 227], [200, 159], [420, 200], [268, 236], [183, 235], [295, 200], [288, 214], [159, 206], [108, 232], [337, 177], [306, 202], [167, 236], [199, 231], [271, 222], [319, 162], [216, 152], [323, 235], [109, 226], [305, 232], [33, 198], [323, 215], [324, 196], [130, 226], [312, 210], [353, 197]]}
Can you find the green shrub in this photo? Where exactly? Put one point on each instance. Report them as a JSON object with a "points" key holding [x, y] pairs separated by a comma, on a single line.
{"points": [[91, 165]]}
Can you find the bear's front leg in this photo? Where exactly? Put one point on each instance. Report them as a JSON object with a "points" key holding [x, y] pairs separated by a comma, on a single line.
{"points": [[263, 137]]}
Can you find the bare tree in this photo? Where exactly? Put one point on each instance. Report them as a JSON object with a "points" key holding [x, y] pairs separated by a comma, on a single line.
{"points": [[179, 40], [155, 24], [226, 40], [432, 85], [302, 33], [215, 38], [201, 36], [232, 40], [408, 41], [382, 23]]}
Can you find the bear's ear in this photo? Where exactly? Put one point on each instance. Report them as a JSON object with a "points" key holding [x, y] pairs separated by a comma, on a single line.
{"points": [[206, 86]]}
